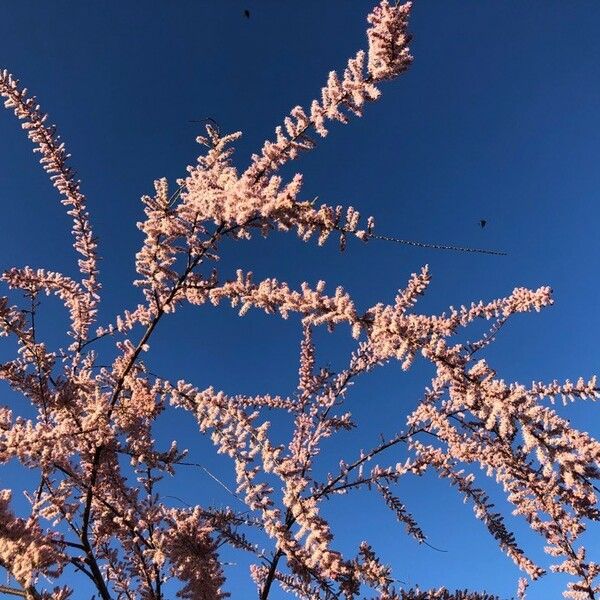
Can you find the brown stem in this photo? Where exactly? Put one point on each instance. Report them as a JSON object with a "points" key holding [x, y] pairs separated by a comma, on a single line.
{"points": [[5, 589], [264, 593]]}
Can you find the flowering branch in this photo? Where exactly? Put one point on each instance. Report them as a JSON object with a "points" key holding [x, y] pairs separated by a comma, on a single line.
{"points": [[113, 522]]}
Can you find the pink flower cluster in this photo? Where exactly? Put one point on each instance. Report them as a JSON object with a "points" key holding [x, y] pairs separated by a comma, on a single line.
{"points": [[100, 508]]}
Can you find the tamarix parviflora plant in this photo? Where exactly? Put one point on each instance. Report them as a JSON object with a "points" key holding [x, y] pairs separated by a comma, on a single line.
{"points": [[93, 517]]}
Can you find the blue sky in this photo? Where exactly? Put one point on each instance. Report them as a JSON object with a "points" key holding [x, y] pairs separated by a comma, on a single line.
{"points": [[497, 119]]}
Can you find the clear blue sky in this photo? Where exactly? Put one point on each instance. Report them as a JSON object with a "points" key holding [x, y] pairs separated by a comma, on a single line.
{"points": [[498, 119]]}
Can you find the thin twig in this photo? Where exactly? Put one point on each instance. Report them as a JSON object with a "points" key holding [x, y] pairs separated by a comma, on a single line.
{"points": [[5, 589], [212, 476], [387, 238]]}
